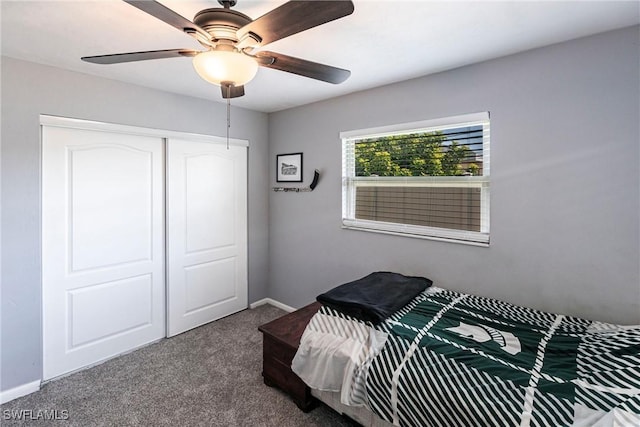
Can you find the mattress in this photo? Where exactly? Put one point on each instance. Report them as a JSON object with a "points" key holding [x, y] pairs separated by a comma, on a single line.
{"points": [[449, 358]]}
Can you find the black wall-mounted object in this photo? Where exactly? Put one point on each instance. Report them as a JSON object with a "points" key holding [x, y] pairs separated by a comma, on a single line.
{"points": [[316, 176]]}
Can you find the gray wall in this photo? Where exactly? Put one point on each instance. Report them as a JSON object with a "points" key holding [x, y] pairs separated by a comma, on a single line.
{"points": [[29, 90], [564, 183]]}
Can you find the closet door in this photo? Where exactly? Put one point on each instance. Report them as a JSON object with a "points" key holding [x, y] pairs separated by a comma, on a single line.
{"points": [[207, 232], [102, 245]]}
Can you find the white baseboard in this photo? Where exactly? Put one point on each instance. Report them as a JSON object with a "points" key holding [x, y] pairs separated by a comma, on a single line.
{"points": [[272, 302], [21, 390]]}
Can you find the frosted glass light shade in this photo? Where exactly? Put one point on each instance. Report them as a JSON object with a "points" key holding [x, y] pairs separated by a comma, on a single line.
{"points": [[217, 66]]}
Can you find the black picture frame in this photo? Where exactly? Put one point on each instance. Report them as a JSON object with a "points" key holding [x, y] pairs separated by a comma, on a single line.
{"points": [[289, 167]]}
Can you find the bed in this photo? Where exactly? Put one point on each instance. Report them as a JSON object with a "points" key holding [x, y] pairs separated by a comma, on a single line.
{"points": [[453, 359]]}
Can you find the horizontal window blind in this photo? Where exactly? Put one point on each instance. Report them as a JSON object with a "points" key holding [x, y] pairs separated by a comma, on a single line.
{"points": [[430, 180]]}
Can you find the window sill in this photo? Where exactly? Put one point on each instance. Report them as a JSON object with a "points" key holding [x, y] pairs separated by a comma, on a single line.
{"points": [[417, 236]]}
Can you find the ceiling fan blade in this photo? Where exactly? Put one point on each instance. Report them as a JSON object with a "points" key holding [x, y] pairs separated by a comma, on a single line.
{"points": [[118, 58], [167, 15], [230, 91], [302, 67], [294, 17]]}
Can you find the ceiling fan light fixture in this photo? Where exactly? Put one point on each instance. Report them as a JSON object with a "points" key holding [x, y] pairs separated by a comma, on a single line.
{"points": [[217, 66]]}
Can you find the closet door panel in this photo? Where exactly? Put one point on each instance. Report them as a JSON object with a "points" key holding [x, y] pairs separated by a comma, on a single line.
{"points": [[103, 245], [207, 232]]}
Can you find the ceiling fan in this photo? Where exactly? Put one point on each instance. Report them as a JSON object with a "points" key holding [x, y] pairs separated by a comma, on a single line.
{"points": [[231, 40]]}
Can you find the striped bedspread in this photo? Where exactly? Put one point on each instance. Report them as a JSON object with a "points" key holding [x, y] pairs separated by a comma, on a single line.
{"points": [[452, 359]]}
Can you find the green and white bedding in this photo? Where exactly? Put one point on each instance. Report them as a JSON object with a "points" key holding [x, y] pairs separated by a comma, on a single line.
{"points": [[452, 359]]}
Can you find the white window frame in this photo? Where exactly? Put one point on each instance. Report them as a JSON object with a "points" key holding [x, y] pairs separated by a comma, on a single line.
{"points": [[350, 181]]}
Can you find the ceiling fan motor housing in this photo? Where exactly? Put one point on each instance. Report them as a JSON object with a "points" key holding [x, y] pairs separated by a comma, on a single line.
{"points": [[222, 24]]}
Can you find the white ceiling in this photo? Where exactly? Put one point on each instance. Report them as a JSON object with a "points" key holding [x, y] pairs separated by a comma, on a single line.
{"points": [[383, 41]]}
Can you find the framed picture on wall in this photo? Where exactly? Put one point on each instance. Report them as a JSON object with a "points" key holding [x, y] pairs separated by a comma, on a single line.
{"points": [[289, 167]]}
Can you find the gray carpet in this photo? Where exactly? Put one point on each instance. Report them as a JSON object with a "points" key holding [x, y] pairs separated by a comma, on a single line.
{"points": [[210, 376]]}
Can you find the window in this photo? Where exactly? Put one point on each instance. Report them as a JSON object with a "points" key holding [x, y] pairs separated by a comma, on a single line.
{"points": [[427, 179]]}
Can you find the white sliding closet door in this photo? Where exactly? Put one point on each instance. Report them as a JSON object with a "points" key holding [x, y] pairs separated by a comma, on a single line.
{"points": [[207, 232], [102, 247]]}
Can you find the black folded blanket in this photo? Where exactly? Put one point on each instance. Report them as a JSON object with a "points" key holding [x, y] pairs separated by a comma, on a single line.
{"points": [[376, 296]]}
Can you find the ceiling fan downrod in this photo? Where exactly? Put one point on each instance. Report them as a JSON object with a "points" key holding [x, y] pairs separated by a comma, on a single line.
{"points": [[227, 4]]}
